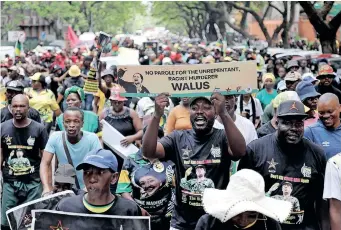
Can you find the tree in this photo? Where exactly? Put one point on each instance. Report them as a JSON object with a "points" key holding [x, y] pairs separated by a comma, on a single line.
{"points": [[14, 19], [326, 30]]}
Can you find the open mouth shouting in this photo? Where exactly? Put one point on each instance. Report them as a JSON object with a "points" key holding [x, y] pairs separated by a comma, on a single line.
{"points": [[200, 122]]}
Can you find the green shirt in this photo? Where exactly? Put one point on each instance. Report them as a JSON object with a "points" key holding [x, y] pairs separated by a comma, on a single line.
{"points": [[265, 98]]}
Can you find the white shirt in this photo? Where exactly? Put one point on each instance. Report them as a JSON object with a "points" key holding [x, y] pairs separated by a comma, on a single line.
{"points": [[332, 179], [248, 105], [245, 126]]}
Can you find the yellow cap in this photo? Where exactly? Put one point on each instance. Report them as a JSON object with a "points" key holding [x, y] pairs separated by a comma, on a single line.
{"points": [[35, 77]]}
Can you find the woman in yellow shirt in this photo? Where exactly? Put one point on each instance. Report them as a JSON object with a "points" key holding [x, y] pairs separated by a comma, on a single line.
{"points": [[178, 118], [43, 100]]}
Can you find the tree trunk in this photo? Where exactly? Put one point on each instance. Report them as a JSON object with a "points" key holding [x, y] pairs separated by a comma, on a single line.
{"points": [[328, 44], [212, 33]]}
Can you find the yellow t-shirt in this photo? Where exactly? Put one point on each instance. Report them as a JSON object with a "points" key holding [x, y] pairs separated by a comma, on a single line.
{"points": [[103, 102], [178, 119], [44, 102], [2, 97]]}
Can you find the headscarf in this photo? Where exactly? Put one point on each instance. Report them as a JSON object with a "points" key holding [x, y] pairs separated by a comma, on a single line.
{"points": [[77, 90]]}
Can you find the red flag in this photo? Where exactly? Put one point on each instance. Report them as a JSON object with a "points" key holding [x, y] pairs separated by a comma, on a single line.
{"points": [[72, 37]]}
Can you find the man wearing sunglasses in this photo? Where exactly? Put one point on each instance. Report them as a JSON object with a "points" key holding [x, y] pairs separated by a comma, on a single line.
{"points": [[326, 76]]}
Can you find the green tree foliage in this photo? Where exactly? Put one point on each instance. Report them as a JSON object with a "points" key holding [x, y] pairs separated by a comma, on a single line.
{"points": [[84, 16]]}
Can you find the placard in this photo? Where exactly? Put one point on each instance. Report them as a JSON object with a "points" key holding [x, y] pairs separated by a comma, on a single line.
{"points": [[20, 217], [188, 80], [112, 138], [48, 219]]}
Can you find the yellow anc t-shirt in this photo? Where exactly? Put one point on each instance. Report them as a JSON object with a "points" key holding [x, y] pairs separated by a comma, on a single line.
{"points": [[2, 97], [44, 102]]}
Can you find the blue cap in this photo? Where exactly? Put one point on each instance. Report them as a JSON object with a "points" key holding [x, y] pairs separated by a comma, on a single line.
{"points": [[99, 158], [305, 90]]}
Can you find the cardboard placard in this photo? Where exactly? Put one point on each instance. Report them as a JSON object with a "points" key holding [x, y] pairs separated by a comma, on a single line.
{"points": [[48, 219], [188, 80], [20, 217]]}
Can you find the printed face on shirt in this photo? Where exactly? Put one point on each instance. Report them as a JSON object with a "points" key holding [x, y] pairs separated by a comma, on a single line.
{"points": [[329, 113], [73, 100], [97, 180], [202, 115], [200, 172], [286, 189], [20, 107], [290, 130], [245, 219], [73, 122], [149, 184]]}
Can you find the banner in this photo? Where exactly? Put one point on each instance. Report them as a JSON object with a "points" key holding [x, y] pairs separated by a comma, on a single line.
{"points": [[188, 80], [20, 217], [56, 220]]}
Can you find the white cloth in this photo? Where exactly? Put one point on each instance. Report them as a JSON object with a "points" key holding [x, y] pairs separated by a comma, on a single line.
{"points": [[245, 126], [332, 181], [146, 106], [248, 105]]}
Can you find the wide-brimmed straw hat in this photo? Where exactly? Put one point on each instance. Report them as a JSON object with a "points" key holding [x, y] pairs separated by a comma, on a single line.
{"points": [[245, 192]]}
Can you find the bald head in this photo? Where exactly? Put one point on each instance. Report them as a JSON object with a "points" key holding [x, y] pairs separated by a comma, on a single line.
{"points": [[329, 110], [21, 98], [329, 98]]}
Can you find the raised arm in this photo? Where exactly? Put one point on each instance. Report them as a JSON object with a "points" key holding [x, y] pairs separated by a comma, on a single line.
{"points": [[46, 172], [235, 139], [150, 147]]}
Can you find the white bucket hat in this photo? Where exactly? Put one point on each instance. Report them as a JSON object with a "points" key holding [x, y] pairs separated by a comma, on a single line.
{"points": [[245, 192]]}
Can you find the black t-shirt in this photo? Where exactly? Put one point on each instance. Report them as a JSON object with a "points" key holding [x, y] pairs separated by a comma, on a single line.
{"points": [[7, 115], [265, 129], [150, 185], [21, 149], [120, 207], [208, 222], [200, 162], [328, 89], [295, 174]]}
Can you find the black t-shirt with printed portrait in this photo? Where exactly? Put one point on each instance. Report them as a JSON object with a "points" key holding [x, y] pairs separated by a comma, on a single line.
{"points": [[151, 187], [21, 150], [200, 162], [293, 174]]}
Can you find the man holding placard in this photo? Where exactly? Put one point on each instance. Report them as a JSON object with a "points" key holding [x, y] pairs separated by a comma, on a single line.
{"points": [[202, 147]]}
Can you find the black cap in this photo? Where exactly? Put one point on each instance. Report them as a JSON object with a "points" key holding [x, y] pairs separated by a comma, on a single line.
{"points": [[291, 108], [65, 174]]}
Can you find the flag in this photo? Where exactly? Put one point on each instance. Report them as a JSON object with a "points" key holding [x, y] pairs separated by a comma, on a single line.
{"points": [[18, 48], [56, 220], [20, 217], [71, 37]]}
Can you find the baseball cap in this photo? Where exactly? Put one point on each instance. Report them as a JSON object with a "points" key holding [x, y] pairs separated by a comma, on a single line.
{"points": [[35, 77], [293, 76], [100, 158], [325, 70], [194, 99], [291, 108], [15, 85], [65, 173]]}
